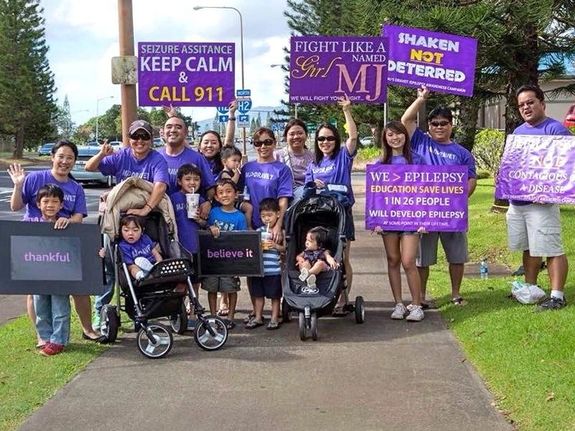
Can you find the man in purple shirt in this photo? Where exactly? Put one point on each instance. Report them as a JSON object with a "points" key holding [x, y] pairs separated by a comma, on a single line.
{"points": [[437, 148], [139, 159], [535, 228]]}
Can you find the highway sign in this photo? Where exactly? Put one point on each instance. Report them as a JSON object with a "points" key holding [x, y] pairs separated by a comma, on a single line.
{"points": [[243, 93], [222, 109], [223, 118], [244, 105], [243, 120]]}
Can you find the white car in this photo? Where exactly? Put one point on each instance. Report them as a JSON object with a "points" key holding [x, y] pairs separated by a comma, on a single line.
{"points": [[367, 141]]}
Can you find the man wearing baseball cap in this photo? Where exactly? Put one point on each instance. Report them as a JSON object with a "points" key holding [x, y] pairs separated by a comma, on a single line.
{"points": [[139, 159]]}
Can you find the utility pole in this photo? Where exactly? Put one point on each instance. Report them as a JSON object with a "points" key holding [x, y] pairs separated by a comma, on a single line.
{"points": [[127, 91]]}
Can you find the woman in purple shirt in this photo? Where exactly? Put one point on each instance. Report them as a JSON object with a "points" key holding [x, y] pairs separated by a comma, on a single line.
{"points": [[332, 165], [26, 186]]}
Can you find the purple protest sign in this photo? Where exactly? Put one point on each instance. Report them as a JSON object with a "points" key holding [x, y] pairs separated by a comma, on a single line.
{"points": [[185, 73], [407, 197], [537, 169], [324, 68], [443, 62]]}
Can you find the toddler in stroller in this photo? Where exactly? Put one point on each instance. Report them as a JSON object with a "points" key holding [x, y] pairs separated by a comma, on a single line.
{"points": [[327, 213], [314, 259], [162, 291]]}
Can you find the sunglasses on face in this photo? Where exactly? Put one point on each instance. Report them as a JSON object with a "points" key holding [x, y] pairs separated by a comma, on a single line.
{"points": [[326, 138], [266, 142], [142, 136], [442, 123]]}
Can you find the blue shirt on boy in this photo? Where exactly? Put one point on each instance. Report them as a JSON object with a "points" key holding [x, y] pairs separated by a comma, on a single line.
{"points": [[227, 220], [193, 158], [187, 227], [141, 248]]}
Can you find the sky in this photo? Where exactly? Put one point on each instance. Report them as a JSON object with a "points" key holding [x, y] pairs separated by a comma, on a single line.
{"points": [[82, 37]]}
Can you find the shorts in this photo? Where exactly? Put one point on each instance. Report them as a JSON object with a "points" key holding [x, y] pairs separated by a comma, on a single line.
{"points": [[454, 244], [221, 284], [349, 225], [269, 286], [536, 228]]}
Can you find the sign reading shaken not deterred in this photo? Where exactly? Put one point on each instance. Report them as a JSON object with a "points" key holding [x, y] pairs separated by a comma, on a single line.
{"points": [[185, 73], [324, 68]]}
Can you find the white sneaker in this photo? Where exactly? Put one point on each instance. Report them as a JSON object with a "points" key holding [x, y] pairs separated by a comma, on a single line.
{"points": [[415, 313], [303, 274], [399, 311], [311, 280]]}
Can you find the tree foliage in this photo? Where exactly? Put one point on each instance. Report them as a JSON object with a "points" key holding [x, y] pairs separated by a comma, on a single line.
{"points": [[27, 105]]}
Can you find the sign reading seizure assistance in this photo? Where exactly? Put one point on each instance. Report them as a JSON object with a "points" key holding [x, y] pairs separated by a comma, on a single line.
{"points": [[231, 254], [185, 73], [408, 197], [538, 169], [443, 62], [39, 259], [324, 68]]}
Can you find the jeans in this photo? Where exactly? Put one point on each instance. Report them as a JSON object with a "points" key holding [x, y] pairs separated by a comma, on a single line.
{"points": [[53, 318], [110, 280]]}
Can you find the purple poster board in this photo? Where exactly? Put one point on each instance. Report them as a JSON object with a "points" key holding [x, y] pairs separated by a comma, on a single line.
{"points": [[407, 197], [324, 68], [537, 169], [443, 62], [185, 73]]}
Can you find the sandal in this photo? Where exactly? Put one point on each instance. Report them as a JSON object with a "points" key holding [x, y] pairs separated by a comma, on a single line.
{"points": [[274, 324], [249, 317], [457, 301], [254, 324], [230, 324], [222, 312]]}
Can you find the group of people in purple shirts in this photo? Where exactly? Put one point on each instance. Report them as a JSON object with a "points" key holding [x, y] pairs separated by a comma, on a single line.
{"points": [[281, 175]]}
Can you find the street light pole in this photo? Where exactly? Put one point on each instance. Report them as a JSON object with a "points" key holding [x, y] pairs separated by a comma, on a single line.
{"points": [[241, 55], [97, 108]]}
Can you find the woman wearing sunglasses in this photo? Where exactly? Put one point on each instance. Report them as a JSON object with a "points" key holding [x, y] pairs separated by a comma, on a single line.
{"points": [[265, 177], [139, 159], [332, 166]]}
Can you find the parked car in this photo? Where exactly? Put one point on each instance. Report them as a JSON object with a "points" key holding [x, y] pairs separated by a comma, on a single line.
{"points": [[158, 142], [570, 117], [83, 176], [367, 141], [46, 149]]}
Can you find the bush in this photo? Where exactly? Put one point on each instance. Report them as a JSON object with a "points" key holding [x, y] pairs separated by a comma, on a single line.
{"points": [[482, 174], [488, 149], [369, 154]]}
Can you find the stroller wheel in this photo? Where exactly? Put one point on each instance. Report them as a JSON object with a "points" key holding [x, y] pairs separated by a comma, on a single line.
{"points": [[302, 326], [313, 327], [211, 333], [155, 341], [109, 322], [179, 323], [286, 316], [359, 309]]}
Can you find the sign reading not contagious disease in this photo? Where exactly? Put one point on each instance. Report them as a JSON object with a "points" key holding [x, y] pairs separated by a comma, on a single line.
{"points": [[409, 197], [538, 169], [39, 259], [324, 68], [185, 73], [231, 254], [443, 62]]}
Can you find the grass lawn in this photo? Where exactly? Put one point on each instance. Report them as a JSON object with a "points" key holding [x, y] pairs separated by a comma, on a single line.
{"points": [[526, 358], [27, 379]]}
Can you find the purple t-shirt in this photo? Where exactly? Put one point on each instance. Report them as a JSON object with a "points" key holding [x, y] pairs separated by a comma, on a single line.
{"points": [[192, 157], [122, 164], [187, 227], [141, 248], [298, 163], [334, 170], [74, 197], [436, 154], [549, 126], [265, 180], [416, 159]]}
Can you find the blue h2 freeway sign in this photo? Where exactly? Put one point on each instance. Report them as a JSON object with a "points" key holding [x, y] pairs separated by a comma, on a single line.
{"points": [[244, 105]]}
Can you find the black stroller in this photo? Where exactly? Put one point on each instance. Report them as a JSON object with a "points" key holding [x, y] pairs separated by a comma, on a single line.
{"points": [[158, 296], [316, 210]]}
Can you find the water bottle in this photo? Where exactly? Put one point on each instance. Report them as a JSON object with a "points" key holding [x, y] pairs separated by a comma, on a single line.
{"points": [[483, 270], [246, 194]]}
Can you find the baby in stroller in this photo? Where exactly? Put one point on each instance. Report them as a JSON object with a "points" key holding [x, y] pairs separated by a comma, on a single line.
{"points": [[314, 259], [138, 250]]}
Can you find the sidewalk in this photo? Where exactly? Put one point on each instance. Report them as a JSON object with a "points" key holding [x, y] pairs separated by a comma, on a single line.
{"points": [[382, 375]]}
